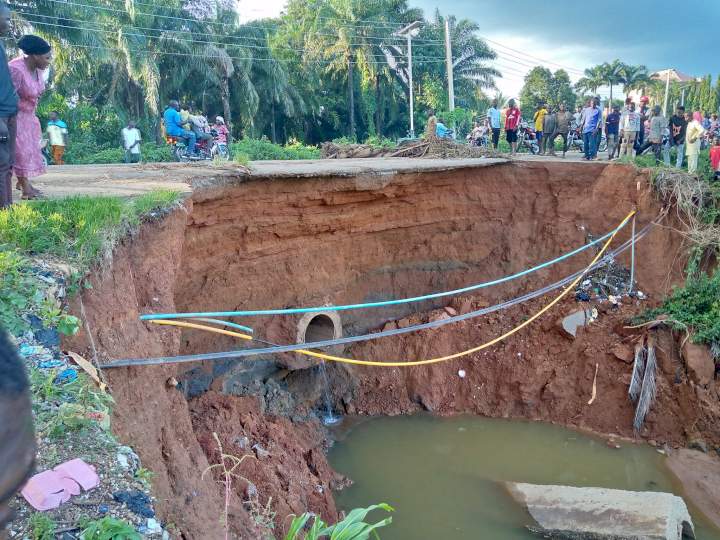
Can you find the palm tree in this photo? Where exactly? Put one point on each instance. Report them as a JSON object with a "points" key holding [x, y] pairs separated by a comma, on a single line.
{"points": [[593, 79], [613, 74], [634, 78]]}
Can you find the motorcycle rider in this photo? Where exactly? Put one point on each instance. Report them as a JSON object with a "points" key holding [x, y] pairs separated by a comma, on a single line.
{"points": [[174, 125]]}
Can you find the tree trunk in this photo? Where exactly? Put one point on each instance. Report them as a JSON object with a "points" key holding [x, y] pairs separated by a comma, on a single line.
{"points": [[273, 136], [378, 107], [204, 102], [351, 95], [225, 97], [610, 107]]}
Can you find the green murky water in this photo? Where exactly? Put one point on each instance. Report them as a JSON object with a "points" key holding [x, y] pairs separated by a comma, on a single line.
{"points": [[443, 475]]}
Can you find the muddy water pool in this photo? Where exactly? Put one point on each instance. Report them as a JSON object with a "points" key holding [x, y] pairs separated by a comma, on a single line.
{"points": [[444, 475]]}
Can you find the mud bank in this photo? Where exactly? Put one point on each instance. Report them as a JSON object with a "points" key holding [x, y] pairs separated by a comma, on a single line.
{"points": [[263, 242]]}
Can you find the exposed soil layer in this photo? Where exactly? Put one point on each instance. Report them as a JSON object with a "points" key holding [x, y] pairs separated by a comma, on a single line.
{"points": [[284, 242]]}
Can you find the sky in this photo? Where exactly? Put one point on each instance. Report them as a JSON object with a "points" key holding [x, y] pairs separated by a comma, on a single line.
{"points": [[562, 33]]}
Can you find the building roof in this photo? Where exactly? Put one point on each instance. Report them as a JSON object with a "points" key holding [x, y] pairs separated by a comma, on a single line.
{"points": [[675, 75]]}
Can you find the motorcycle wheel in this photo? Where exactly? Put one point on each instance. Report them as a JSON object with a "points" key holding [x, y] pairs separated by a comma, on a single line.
{"points": [[603, 145], [180, 153], [534, 148]]}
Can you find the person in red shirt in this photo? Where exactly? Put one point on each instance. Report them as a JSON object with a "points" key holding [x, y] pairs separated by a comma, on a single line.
{"points": [[715, 158], [512, 121]]}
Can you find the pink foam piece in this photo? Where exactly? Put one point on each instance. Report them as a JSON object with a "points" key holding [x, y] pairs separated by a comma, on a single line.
{"points": [[45, 491], [80, 472]]}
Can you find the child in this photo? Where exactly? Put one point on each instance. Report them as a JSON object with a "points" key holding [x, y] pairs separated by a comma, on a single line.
{"points": [[715, 158]]}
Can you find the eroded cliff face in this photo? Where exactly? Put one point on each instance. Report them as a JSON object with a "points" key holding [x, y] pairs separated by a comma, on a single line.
{"points": [[264, 243]]}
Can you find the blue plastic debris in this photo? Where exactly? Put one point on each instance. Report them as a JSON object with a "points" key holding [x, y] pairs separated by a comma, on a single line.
{"points": [[103, 509], [66, 375], [48, 364], [30, 350]]}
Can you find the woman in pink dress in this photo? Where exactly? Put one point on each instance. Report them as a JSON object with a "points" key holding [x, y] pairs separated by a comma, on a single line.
{"points": [[27, 76]]}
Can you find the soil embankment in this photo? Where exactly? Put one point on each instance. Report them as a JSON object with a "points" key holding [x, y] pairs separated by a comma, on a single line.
{"points": [[265, 243]]}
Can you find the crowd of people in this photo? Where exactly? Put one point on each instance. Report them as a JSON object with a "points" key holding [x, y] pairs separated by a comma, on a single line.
{"points": [[632, 130]]}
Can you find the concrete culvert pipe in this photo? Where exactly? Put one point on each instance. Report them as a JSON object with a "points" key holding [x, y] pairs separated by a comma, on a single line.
{"points": [[320, 326]]}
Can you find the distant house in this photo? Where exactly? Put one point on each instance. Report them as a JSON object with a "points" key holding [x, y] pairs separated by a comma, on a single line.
{"points": [[663, 75]]}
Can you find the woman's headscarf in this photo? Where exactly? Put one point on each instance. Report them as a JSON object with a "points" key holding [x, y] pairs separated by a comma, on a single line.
{"points": [[219, 120], [31, 44], [697, 116]]}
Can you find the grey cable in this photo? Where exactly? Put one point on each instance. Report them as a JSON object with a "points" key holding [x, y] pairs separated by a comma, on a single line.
{"points": [[386, 333]]}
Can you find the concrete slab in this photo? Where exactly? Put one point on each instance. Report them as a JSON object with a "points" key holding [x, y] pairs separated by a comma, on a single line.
{"points": [[129, 180], [604, 514]]}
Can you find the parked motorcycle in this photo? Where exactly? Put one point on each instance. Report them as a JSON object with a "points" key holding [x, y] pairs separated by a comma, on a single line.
{"points": [[478, 139], [575, 141], [205, 149], [527, 138]]}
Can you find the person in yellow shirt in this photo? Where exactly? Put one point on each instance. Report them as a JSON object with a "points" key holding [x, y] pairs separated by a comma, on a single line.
{"points": [[539, 118], [57, 133]]}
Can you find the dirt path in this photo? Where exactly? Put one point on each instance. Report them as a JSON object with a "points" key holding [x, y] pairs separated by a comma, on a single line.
{"points": [[130, 180]]}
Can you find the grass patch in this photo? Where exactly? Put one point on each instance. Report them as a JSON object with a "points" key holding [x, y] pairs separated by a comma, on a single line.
{"points": [[76, 229], [61, 408]]}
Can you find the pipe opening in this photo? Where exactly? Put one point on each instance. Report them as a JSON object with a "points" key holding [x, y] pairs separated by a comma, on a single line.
{"points": [[320, 328]]}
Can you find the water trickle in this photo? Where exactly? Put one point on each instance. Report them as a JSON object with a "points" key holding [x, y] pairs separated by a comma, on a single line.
{"points": [[328, 418]]}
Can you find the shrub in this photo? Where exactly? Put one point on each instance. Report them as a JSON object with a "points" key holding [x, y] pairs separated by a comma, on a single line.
{"points": [[262, 149]]}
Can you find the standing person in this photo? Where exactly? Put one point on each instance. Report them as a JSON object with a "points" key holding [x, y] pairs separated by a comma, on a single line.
{"points": [[513, 115], [612, 131], [678, 126], [714, 123], [563, 124], [131, 139], [590, 122], [715, 158], [549, 126], [694, 133], [644, 112], [174, 125], [630, 125], [599, 130], [8, 110], [57, 133], [577, 116], [538, 119], [27, 75], [430, 126], [658, 124], [706, 123], [493, 114]]}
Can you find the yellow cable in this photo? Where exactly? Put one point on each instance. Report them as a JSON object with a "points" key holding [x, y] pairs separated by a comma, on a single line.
{"points": [[203, 327], [437, 360]]}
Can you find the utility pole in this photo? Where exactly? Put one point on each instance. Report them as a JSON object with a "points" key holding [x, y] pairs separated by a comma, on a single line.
{"points": [[448, 61], [409, 32], [667, 93]]}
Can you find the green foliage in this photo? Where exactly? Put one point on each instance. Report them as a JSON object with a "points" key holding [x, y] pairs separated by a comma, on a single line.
{"points": [[42, 527], [77, 229], [542, 86], [71, 406], [108, 528], [461, 120], [18, 291], [262, 149], [89, 153], [353, 527], [144, 475], [695, 306]]}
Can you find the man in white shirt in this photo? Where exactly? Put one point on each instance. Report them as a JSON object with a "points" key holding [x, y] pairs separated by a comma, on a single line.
{"points": [[629, 127], [131, 142]]}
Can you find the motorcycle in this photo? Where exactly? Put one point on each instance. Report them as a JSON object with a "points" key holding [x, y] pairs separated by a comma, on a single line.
{"points": [[479, 140], [205, 149], [527, 138], [575, 141]]}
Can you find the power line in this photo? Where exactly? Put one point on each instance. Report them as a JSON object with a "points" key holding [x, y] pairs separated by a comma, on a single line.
{"points": [[575, 70]]}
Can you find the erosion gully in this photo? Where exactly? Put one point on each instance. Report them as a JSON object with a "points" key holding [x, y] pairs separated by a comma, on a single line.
{"points": [[340, 235]]}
